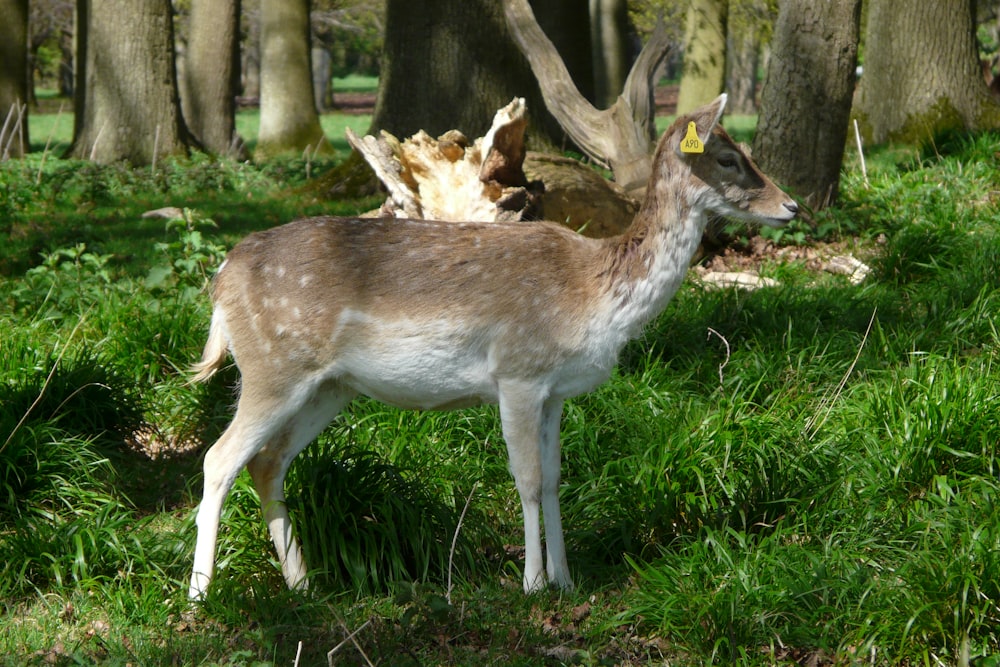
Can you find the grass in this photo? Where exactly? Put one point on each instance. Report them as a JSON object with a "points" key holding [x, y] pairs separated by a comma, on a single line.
{"points": [[814, 481]]}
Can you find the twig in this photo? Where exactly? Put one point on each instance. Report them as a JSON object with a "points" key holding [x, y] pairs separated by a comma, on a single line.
{"points": [[97, 140], [21, 127], [156, 148], [3, 130], [298, 654], [16, 113], [308, 155], [349, 638], [724, 342], [814, 427], [454, 539], [861, 152]]}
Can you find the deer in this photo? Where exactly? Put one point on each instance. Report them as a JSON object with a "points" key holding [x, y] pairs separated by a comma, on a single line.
{"points": [[433, 315]]}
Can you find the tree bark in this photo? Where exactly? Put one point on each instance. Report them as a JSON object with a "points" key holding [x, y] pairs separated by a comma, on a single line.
{"points": [[13, 78], [322, 72], [211, 75], [704, 54], [749, 28], [609, 37], [450, 64], [250, 61], [806, 100], [289, 123], [128, 108], [741, 73], [922, 75], [567, 24]]}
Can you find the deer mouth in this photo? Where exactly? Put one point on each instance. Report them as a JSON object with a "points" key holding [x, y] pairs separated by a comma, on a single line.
{"points": [[789, 210]]}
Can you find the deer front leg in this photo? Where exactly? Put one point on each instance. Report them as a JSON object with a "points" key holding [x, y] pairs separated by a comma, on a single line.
{"points": [[521, 417], [555, 545]]}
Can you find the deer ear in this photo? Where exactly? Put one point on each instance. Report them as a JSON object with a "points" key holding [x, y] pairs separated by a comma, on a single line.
{"points": [[704, 120]]}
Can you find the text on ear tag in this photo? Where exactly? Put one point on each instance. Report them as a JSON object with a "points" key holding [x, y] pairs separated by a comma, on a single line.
{"points": [[691, 143]]}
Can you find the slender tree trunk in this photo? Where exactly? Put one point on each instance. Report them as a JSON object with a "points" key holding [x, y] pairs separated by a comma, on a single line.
{"points": [[129, 108], [66, 63], [80, 37], [704, 54], [741, 72], [609, 37], [211, 74], [13, 78], [322, 72], [806, 101], [289, 123], [922, 74], [250, 77]]}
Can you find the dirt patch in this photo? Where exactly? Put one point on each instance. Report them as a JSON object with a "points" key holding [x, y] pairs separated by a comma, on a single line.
{"points": [[353, 104], [847, 257]]}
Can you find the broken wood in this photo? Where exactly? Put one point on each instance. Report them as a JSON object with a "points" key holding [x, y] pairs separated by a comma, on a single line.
{"points": [[577, 196], [451, 178]]}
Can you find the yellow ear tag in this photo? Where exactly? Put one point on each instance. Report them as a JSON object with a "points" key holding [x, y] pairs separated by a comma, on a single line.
{"points": [[691, 143]]}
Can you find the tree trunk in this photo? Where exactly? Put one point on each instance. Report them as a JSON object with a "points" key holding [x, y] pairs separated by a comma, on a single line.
{"points": [[128, 108], [567, 24], [250, 76], [289, 123], [66, 62], [13, 78], [704, 54], [742, 48], [749, 28], [211, 75], [806, 101], [80, 37], [922, 75], [450, 64], [609, 37], [322, 72]]}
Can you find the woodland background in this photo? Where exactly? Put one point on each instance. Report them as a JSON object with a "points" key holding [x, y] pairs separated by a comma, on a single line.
{"points": [[804, 473]]}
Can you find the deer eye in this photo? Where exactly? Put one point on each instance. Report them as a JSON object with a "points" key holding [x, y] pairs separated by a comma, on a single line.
{"points": [[728, 161]]}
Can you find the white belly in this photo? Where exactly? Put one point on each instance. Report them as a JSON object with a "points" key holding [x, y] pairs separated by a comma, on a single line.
{"points": [[437, 365]]}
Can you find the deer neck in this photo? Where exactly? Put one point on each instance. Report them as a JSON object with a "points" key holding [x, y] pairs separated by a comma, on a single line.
{"points": [[648, 262]]}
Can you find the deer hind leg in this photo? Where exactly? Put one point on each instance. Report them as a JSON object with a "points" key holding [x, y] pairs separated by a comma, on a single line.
{"points": [[255, 425], [555, 545], [270, 465], [223, 462], [521, 417]]}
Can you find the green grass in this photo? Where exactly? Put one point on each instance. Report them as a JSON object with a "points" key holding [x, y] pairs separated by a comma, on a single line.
{"points": [[355, 83], [816, 480], [55, 130]]}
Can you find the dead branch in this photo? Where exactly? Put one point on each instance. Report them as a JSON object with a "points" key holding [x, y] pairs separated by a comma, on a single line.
{"points": [[619, 138]]}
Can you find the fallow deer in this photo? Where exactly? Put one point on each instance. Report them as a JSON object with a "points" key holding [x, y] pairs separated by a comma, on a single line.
{"points": [[432, 315]]}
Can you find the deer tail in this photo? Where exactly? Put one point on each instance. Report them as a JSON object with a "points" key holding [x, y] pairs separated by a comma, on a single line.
{"points": [[215, 353]]}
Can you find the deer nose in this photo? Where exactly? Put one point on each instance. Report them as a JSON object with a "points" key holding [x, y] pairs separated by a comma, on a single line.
{"points": [[792, 206]]}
